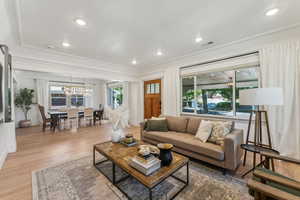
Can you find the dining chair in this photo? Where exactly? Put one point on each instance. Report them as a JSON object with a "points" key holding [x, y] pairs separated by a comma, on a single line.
{"points": [[88, 115], [72, 119], [46, 121], [98, 115]]}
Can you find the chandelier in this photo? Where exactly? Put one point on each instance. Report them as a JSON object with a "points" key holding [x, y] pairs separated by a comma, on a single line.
{"points": [[78, 90]]}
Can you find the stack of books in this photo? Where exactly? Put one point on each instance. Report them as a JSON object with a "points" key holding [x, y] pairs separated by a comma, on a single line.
{"points": [[146, 165]]}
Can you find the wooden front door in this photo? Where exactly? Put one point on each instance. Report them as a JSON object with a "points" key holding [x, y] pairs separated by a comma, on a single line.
{"points": [[152, 98]]}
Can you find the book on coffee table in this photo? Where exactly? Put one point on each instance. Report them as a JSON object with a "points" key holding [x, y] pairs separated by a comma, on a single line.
{"points": [[146, 166]]}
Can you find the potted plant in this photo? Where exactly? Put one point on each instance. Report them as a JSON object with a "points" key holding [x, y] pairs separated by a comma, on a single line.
{"points": [[23, 101]]}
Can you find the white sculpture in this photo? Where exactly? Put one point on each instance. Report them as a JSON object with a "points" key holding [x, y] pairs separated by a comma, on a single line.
{"points": [[119, 118]]}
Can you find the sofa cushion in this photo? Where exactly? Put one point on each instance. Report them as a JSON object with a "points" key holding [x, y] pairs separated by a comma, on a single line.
{"points": [[187, 142], [177, 124], [193, 125]]}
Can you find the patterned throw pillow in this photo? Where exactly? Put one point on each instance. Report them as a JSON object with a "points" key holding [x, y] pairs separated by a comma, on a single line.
{"points": [[219, 131]]}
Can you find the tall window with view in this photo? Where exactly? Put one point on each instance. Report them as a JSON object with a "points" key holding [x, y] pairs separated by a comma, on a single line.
{"points": [[214, 93], [245, 79], [188, 95]]}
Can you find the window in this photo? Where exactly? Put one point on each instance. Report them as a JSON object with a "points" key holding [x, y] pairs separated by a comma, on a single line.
{"points": [[217, 93], [153, 88], [115, 96], [67, 95], [77, 100], [57, 96]]}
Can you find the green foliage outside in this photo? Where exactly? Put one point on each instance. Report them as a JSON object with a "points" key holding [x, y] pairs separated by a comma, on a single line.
{"points": [[119, 95], [23, 100]]}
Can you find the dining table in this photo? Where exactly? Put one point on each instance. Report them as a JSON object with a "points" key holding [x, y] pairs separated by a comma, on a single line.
{"points": [[56, 115]]}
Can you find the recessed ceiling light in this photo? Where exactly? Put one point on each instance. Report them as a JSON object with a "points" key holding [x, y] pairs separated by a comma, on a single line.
{"points": [[159, 53], [198, 39], [272, 12], [66, 44], [80, 22], [134, 62]]}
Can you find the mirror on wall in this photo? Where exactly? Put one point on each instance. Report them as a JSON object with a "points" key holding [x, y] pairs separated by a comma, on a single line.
{"points": [[6, 100]]}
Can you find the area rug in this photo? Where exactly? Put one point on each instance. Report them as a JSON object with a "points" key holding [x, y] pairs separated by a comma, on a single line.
{"points": [[80, 180]]}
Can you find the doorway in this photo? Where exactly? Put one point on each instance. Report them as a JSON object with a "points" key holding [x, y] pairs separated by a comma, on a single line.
{"points": [[152, 98]]}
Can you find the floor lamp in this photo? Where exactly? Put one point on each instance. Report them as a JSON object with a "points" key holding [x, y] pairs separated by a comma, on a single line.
{"points": [[259, 97]]}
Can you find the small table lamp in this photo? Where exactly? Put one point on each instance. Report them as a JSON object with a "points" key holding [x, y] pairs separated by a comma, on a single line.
{"points": [[260, 97]]}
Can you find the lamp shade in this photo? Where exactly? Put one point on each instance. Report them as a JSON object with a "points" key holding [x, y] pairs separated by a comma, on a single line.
{"points": [[261, 96]]}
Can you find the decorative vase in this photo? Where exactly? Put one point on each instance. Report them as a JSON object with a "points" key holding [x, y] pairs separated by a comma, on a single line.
{"points": [[117, 135], [24, 123], [165, 154]]}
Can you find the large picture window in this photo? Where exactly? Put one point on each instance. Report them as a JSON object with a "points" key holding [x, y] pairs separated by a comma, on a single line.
{"points": [[217, 93]]}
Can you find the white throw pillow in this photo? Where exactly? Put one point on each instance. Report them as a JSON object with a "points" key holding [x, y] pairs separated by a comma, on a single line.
{"points": [[204, 130]]}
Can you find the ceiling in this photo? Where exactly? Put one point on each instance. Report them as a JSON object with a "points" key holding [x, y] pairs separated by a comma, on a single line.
{"points": [[118, 31]]}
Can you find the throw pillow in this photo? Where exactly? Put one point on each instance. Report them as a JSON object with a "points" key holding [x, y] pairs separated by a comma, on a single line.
{"points": [[157, 125], [204, 130], [219, 131]]}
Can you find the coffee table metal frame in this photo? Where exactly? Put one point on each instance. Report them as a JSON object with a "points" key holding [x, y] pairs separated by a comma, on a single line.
{"points": [[116, 182]]}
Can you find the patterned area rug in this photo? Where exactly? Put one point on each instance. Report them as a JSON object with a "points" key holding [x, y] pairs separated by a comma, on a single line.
{"points": [[80, 180]]}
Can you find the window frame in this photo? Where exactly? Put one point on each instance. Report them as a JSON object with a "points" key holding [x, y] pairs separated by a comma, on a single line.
{"points": [[194, 75], [110, 90], [67, 97]]}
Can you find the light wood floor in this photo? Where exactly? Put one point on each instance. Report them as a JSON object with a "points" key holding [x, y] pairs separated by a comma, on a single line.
{"points": [[38, 150]]}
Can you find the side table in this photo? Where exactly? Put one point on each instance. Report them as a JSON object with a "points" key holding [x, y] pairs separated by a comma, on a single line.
{"points": [[258, 150]]}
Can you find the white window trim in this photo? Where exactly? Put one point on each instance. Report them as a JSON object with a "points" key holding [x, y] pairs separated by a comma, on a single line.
{"points": [[235, 68]]}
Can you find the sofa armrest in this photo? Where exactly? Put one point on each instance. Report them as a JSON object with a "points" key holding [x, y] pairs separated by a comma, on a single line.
{"points": [[142, 129], [232, 148]]}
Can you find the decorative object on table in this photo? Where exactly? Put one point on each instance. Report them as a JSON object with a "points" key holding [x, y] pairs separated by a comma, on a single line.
{"points": [[165, 153], [260, 97], [267, 184], [24, 101], [149, 148], [119, 119], [145, 165], [128, 140]]}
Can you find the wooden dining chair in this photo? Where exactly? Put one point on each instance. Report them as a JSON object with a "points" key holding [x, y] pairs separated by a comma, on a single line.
{"points": [[72, 119], [88, 116], [46, 121], [98, 115]]}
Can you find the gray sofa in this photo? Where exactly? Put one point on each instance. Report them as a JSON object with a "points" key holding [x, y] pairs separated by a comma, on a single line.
{"points": [[181, 134]]}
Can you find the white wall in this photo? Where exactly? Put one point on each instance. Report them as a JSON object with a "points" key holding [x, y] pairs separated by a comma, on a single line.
{"points": [[135, 103], [27, 79], [7, 130]]}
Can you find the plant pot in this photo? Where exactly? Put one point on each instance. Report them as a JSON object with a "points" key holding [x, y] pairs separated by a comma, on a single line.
{"points": [[24, 123]]}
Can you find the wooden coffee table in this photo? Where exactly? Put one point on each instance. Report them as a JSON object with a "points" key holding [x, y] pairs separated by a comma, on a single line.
{"points": [[119, 155]]}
